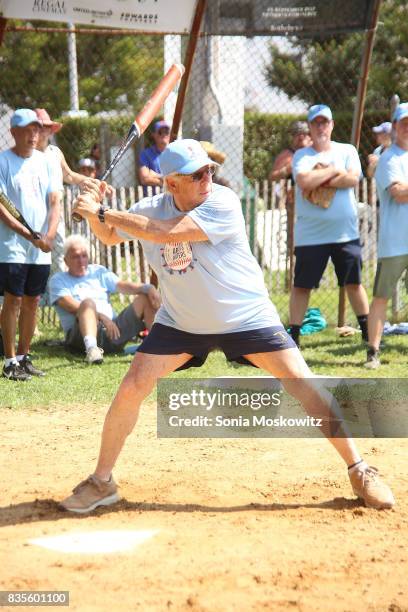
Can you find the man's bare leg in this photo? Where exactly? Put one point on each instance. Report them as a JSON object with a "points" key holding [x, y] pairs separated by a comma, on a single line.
{"points": [[124, 411], [87, 318], [27, 322], [299, 300], [290, 366], [376, 320], [144, 310], [9, 315]]}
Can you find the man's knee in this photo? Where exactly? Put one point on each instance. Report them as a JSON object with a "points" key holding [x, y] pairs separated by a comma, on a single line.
{"points": [[353, 287], [30, 301], [301, 290], [12, 301], [86, 304], [139, 304]]}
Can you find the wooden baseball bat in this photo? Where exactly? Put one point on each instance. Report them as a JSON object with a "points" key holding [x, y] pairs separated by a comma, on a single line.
{"points": [[9, 206], [145, 116]]}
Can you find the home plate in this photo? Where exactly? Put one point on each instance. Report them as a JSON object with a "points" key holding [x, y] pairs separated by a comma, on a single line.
{"points": [[95, 542]]}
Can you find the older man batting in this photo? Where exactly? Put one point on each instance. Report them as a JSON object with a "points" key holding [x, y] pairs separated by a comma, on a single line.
{"points": [[213, 295]]}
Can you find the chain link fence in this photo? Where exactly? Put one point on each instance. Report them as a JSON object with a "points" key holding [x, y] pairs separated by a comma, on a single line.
{"points": [[243, 95]]}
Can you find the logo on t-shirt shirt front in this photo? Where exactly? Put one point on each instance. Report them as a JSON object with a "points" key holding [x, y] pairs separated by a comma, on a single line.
{"points": [[177, 256]]}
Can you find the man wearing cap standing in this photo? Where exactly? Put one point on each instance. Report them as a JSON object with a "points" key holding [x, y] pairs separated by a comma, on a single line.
{"points": [[326, 225], [383, 137], [62, 172], [149, 167], [26, 177], [213, 296], [392, 188]]}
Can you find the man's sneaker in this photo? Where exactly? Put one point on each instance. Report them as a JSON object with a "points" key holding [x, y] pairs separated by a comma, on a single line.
{"points": [[90, 494], [94, 355], [27, 365], [373, 359], [15, 372], [368, 486]]}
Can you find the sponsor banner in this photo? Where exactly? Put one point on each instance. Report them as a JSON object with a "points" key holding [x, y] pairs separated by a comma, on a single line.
{"points": [[144, 15], [289, 17], [264, 407]]}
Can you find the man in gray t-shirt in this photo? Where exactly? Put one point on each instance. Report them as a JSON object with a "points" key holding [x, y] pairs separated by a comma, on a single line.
{"points": [[213, 297]]}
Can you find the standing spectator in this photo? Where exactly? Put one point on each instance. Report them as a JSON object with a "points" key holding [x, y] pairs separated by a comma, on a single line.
{"points": [[392, 187], [26, 177], [149, 167], [81, 298], [326, 228], [62, 172], [282, 166], [87, 167], [48, 129], [383, 137]]}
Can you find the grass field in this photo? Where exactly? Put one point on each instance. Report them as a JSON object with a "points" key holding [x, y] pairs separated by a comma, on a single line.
{"points": [[70, 381]]}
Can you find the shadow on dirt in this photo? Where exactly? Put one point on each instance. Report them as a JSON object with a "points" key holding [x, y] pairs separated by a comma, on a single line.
{"points": [[49, 510]]}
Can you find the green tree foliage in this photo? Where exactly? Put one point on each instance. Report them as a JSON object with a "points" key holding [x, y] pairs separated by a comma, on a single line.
{"points": [[115, 72], [327, 69]]}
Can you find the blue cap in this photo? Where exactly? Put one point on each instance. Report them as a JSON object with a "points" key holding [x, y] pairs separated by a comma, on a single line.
{"points": [[400, 112], [23, 117], [319, 110], [160, 124], [184, 157]]}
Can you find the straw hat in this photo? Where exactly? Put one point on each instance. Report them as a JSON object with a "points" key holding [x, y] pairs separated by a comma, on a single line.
{"points": [[212, 152]]}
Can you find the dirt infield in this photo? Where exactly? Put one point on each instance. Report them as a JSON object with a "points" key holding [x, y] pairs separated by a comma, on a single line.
{"points": [[238, 524]]}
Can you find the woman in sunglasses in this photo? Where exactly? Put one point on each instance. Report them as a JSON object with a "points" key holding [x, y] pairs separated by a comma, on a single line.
{"points": [[213, 296]]}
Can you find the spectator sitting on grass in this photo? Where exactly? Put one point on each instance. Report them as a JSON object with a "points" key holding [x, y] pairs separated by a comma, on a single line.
{"points": [[81, 298]]}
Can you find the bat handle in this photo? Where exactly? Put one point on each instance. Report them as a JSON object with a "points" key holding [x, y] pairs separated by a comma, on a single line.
{"points": [[36, 235]]}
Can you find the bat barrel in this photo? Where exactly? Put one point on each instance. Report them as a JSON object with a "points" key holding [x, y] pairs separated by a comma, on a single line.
{"points": [[145, 117]]}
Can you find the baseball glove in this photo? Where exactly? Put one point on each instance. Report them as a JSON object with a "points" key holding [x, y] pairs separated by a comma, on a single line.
{"points": [[321, 196]]}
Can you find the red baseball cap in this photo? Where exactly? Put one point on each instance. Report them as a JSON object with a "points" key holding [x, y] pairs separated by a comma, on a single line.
{"points": [[46, 120]]}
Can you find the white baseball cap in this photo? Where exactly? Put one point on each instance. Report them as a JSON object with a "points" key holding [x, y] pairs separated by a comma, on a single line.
{"points": [[383, 128]]}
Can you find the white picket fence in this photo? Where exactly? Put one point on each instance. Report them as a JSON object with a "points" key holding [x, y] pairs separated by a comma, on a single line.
{"points": [[267, 220]]}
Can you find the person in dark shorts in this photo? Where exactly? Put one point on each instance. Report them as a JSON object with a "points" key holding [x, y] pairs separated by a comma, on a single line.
{"points": [[392, 188], [26, 177], [214, 296], [81, 297], [326, 227]]}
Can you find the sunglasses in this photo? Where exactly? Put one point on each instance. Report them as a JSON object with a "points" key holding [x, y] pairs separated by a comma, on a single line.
{"points": [[196, 177], [164, 132]]}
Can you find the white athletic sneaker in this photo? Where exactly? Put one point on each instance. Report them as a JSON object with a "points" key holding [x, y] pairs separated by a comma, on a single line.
{"points": [[94, 355]]}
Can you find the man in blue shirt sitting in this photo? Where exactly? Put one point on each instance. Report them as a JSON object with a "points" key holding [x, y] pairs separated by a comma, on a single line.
{"points": [[81, 298]]}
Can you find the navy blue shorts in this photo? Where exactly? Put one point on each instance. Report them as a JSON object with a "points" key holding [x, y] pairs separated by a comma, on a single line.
{"points": [[311, 262], [23, 279], [164, 340]]}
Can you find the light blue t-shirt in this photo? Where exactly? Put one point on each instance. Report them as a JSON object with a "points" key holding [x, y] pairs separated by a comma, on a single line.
{"points": [[97, 284], [27, 182], [53, 155], [210, 287], [339, 222], [392, 168]]}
